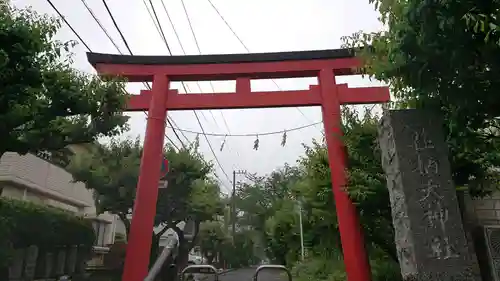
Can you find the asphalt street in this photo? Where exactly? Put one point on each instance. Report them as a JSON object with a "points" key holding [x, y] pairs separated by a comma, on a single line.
{"points": [[246, 274]]}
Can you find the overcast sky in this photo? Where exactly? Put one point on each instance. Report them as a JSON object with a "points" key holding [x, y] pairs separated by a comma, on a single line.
{"points": [[262, 25]]}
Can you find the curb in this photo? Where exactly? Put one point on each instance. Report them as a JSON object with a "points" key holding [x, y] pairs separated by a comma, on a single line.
{"points": [[226, 271], [234, 269]]}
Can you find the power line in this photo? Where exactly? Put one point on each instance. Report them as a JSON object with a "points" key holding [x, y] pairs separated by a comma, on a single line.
{"points": [[169, 120], [191, 26], [252, 134], [185, 89], [248, 50], [101, 26], [85, 44], [151, 16], [116, 26], [67, 23], [173, 27], [119, 51], [199, 51], [159, 26]]}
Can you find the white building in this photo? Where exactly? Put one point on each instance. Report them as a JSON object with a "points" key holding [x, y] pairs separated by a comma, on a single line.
{"points": [[28, 177]]}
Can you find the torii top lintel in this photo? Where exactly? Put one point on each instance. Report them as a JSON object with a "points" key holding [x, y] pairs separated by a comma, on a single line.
{"points": [[242, 68], [227, 66]]}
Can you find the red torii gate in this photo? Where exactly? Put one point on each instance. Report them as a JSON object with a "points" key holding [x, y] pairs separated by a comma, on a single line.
{"points": [[161, 70]]}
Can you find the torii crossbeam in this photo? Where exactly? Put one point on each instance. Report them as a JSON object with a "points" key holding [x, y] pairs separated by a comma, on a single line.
{"points": [[161, 70]]}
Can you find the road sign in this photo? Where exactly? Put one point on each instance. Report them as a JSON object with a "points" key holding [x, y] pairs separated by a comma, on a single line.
{"points": [[164, 167]]}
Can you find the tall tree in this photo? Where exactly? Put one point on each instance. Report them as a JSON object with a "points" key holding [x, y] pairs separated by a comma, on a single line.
{"points": [[277, 206], [112, 171], [433, 58], [366, 187], [258, 200], [213, 239], [46, 104]]}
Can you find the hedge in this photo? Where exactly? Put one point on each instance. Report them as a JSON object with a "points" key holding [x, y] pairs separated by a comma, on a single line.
{"points": [[23, 224]]}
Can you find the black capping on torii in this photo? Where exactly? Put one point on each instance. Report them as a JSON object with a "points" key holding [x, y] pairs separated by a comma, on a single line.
{"points": [[99, 58]]}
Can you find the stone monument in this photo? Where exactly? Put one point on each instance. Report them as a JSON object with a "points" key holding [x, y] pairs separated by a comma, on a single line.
{"points": [[429, 234]]}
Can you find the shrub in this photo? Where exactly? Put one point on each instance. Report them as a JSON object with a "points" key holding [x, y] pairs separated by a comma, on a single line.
{"points": [[23, 224]]}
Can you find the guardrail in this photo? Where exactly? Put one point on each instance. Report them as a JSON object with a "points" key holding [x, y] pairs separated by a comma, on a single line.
{"points": [[271, 267], [200, 269]]}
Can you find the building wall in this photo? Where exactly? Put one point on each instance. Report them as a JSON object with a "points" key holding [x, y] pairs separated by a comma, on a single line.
{"points": [[28, 177], [487, 210]]}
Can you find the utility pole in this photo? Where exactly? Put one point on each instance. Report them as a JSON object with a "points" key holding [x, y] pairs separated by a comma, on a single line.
{"points": [[302, 252], [233, 207], [233, 201]]}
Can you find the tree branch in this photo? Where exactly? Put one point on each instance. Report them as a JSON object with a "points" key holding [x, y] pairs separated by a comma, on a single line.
{"points": [[159, 234], [126, 222], [195, 235]]}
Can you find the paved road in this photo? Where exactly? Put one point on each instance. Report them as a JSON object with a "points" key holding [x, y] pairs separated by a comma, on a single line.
{"points": [[246, 274]]}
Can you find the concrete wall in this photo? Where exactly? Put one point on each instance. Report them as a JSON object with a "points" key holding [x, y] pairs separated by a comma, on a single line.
{"points": [[487, 210]]}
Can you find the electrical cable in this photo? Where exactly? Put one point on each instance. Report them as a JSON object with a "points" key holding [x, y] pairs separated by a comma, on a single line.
{"points": [[248, 51], [195, 114], [162, 35], [119, 51], [67, 23], [169, 120], [252, 134], [85, 44], [101, 26], [159, 32], [199, 51]]}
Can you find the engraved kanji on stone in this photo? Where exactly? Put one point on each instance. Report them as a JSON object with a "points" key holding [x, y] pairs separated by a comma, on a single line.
{"points": [[441, 248], [437, 218], [427, 165], [421, 141], [429, 190]]}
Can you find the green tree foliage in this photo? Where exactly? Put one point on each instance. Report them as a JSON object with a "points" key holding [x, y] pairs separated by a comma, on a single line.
{"points": [[46, 104], [112, 171], [242, 252], [213, 239], [434, 57], [310, 183]]}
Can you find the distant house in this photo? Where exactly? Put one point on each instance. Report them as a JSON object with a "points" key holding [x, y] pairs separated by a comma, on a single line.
{"points": [[120, 228], [31, 178]]}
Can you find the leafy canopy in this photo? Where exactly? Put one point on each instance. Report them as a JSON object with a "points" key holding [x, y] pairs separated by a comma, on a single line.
{"points": [[432, 58], [112, 171], [274, 201], [46, 104]]}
